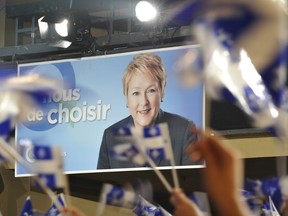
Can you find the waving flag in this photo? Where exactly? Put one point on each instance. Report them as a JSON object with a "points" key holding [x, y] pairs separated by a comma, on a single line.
{"points": [[126, 149], [266, 195], [125, 134], [5, 129], [53, 210], [247, 26], [157, 142], [154, 140], [238, 45], [145, 208], [27, 209], [18, 95], [128, 152], [232, 76], [49, 165], [145, 145], [116, 196], [122, 132]]}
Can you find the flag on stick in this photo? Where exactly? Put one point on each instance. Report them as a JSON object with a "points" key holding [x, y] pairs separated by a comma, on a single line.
{"points": [[53, 210], [116, 196], [27, 209], [158, 146]]}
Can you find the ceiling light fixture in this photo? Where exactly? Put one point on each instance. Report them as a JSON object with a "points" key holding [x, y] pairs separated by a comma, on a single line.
{"points": [[145, 11]]}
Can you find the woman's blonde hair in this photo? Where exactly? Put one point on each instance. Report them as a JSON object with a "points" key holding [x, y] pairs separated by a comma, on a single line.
{"points": [[147, 63]]}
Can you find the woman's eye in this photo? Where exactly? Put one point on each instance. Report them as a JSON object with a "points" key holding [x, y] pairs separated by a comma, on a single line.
{"points": [[151, 90], [135, 93]]}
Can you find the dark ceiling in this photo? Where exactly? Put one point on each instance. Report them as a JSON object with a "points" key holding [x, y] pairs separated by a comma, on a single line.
{"points": [[114, 28]]}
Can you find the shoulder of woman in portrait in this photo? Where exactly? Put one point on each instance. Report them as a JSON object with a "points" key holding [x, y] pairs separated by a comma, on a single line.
{"points": [[176, 119]]}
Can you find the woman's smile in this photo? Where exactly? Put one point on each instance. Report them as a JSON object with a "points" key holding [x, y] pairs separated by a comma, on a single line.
{"points": [[143, 112]]}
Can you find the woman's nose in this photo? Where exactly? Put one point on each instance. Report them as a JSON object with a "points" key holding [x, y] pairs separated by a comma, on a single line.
{"points": [[144, 99]]}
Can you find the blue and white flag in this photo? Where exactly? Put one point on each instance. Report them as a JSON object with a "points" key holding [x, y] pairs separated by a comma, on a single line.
{"points": [[145, 208], [48, 163], [248, 27], [124, 131], [268, 209], [157, 142], [124, 134], [231, 76], [6, 126], [31, 83], [153, 141], [27, 209], [20, 95], [53, 210], [267, 194], [235, 49], [117, 196], [128, 152], [273, 209]]}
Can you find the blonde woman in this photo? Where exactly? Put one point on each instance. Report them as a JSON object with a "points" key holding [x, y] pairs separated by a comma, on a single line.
{"points": [[144, 83]]}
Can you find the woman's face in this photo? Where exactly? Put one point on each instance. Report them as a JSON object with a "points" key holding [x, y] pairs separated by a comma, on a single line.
{"points": [[143, 99]]}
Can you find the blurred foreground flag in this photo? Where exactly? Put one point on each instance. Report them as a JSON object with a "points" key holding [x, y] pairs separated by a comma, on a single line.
{"points": [[128, 152], [53, 210], [157, 142], [154, 141], [117, 196], [6, 127], [18, 95], [274, 190], [123, 134], [127, 149], [259, 30], [27, 209], [145, 208], [48, 163]]}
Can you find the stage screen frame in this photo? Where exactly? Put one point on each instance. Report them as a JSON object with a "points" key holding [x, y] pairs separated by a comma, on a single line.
{"points": [[91, 75]]}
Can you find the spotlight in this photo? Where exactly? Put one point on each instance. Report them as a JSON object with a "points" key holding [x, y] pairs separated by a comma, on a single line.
{"points": [[61, 29], [145, 11]]}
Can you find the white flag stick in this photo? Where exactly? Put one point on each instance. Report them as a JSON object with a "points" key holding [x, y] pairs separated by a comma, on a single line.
{"points": [[158, 173], [153, 166], [273, 209], [174, 174], [165, 129]]}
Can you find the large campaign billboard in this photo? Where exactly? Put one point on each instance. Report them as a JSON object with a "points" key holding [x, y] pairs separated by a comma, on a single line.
{"points": [[75, 118]]}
